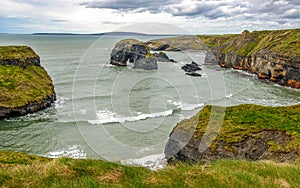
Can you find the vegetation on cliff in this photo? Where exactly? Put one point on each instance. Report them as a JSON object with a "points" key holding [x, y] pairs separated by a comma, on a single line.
{"points": [[19, 53], [22, 170], [285, 43], [22, 81]]}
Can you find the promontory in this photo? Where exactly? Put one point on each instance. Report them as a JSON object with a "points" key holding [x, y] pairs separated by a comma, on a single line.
{"points": [[24, 84]]}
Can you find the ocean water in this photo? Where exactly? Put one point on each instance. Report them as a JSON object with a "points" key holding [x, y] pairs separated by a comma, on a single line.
{"points": [[119, 113]]}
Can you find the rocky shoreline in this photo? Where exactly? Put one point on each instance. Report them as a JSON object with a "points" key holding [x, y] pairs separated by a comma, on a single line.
{"points": [[25, 85]]}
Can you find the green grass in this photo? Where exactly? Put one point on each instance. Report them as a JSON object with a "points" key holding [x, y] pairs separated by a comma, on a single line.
{"points": [[20, 86], [285, 43], [65, 172], [20, 53]]}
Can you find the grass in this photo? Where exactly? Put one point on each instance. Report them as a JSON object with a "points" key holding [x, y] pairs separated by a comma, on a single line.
{"points": [[20, 53], [21, 170], [282, 42], [20, 86]]}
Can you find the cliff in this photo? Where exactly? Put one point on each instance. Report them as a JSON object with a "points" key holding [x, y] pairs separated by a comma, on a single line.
{"points": [[248, 132], [24, 84], [272, 55]]}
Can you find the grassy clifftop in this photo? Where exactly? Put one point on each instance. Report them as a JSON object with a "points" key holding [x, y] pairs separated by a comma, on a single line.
{"points": [[20, 53], [21, 170], [285, 43], [24, 84]]}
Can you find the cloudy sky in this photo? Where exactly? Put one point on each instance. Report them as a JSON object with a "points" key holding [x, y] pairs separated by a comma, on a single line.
{"points": [[195, 16]]}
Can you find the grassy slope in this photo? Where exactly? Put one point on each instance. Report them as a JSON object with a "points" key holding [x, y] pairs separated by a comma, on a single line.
{"points": [[19, 85], [285, 43], [21, 170]]}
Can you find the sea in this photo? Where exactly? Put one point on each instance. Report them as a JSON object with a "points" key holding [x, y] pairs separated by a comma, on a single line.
{"points": [[122, 114]]}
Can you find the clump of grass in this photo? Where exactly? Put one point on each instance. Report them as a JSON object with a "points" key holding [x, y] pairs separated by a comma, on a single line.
{"points": [[65, 172]]}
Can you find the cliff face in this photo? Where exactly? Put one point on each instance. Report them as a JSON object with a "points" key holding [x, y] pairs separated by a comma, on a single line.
{"points": [[24, 84], [246, 132], [272, 55]]}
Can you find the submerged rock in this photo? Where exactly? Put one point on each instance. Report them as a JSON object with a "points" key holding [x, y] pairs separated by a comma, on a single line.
{"points": [[193, 74], [24, 84]]}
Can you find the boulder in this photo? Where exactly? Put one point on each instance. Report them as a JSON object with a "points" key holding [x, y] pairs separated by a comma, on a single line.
{"points": [[191, 67], [148, 63], [161, 56]]}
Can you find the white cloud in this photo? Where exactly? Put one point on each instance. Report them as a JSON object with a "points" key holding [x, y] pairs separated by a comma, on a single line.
{"points": [[93, 16]]}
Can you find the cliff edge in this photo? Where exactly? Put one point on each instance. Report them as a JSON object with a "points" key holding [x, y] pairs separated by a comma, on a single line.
{"points": [[272, 55], [24, 84]]}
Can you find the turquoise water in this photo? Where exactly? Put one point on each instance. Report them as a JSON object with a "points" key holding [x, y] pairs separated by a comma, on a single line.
{"points": [[117, 113]]}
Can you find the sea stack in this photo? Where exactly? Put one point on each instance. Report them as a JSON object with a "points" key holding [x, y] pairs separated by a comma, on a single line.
{"points": [[135, 52], [25, 85]]}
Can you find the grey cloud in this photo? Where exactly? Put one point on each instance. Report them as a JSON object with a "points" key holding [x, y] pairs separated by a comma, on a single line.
{"points": [[210, 9], [130, 5]]}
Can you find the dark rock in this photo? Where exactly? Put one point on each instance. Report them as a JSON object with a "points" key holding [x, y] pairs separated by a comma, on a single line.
{"points": [[128, 49], [161, 56], [193, 74], [191, 67], [148, 63]]}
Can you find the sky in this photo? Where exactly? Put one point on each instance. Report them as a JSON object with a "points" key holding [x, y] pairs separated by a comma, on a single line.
{"points": [[147, 16]]}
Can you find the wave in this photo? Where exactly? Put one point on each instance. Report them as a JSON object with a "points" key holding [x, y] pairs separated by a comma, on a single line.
{"points": [[153, 162], [75, 152], [106, 116], [185, 106]]}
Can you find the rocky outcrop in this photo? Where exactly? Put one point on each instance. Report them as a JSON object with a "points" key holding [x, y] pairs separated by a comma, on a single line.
{"points": [[244, 134], [272, 55], [25, 85], [135, 52]]}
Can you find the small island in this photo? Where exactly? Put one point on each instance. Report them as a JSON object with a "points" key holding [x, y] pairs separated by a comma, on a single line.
{"points": [[24, 84]]}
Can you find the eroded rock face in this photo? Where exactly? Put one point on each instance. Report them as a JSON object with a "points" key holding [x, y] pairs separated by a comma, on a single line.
{"points": [[135, 52], [266, 65]]}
